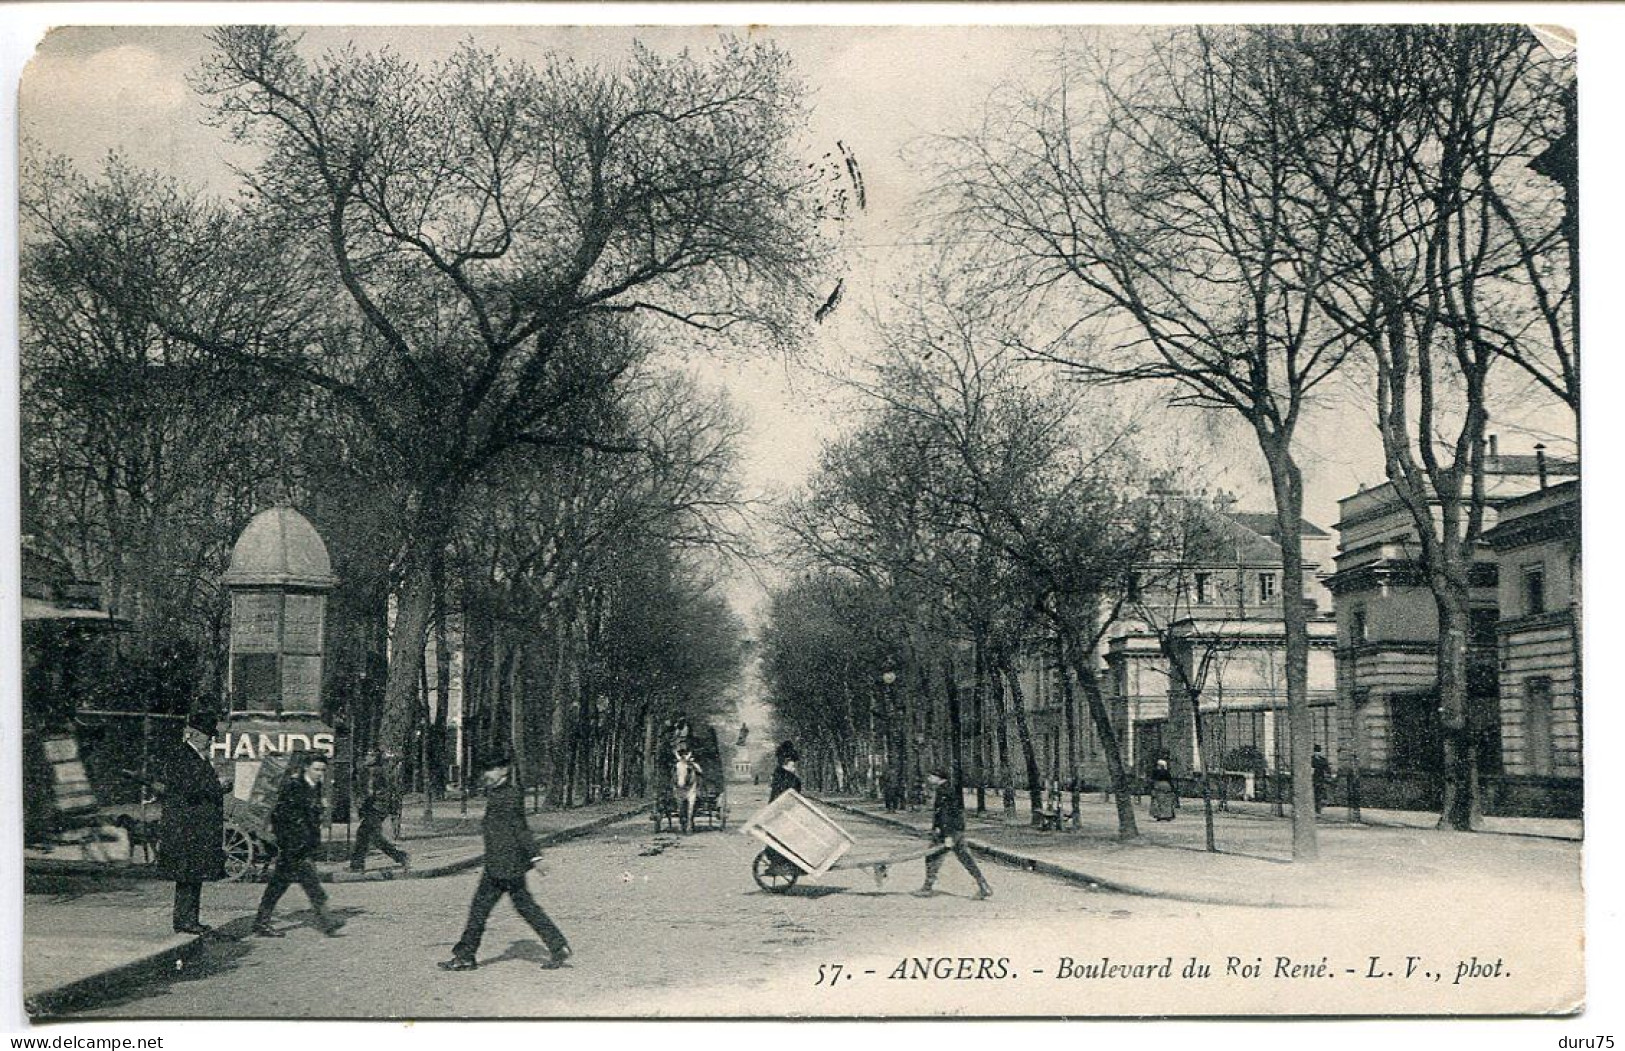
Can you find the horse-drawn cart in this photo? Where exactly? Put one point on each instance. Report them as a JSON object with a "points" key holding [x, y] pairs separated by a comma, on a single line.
{"points": [[701, 779], [710, 805]]}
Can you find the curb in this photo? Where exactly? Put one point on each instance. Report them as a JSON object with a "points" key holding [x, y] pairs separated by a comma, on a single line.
{"points": [[1072, 875], [474, 861], [54, 1002]]}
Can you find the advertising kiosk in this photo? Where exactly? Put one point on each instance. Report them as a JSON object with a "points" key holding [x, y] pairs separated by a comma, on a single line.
{"points": [[279, 579]]}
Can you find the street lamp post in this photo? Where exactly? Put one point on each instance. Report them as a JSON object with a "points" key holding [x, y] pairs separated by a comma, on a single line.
{"points": [[895, 759]]}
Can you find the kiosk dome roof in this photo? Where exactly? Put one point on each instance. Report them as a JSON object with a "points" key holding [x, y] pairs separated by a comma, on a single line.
{"points": [[280, 547]]}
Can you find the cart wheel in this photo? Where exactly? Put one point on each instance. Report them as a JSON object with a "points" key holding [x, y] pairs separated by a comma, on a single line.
{"points": [[773, 877], [239, 846]]}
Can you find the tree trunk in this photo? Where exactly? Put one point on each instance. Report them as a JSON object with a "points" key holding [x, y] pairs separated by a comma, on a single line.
{"points": [[646, 787], [1287, 483], [1007, 786], [978, 725], [559, 726], [442, 710], [1207, 781], [516, 712], [413, 604], [1127, 827], [1459, 809], [426, 747], [956, 718], [1073, 759], [1035, 788]]}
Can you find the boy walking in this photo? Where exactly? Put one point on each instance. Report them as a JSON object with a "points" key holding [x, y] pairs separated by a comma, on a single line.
{"points": [[510, 851], [948, 827], [296, 822]]}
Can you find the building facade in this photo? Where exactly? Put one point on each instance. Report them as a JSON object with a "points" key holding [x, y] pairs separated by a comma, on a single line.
{"points": [[1217, 609], [1536, 548], [1389, 720]]}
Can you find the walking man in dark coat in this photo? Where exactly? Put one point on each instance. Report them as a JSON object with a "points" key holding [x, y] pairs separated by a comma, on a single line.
{"points": [[510, 851], [296, 821], [378, 801], [948, 828], [1321, 771], [191, 847]]}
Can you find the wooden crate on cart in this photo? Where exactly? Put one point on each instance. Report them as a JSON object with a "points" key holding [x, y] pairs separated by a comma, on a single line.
{"points": [[249, 842], [801, 834]]}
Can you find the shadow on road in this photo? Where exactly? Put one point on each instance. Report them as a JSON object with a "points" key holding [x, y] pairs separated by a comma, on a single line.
{"points": [[528, 950]]}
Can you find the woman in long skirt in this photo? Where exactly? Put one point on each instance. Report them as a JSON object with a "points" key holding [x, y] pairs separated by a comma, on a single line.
{"points": [[1163, 798]]}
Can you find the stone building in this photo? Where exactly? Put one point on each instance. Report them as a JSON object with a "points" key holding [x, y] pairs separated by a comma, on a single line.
{"points": [[1218, 604], [1219, 609], [1389, 722], [1536, 546]]}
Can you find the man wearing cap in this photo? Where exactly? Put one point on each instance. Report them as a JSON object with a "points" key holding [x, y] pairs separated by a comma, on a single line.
{"points": [[510, 851], [378, 800], [948, 828]]}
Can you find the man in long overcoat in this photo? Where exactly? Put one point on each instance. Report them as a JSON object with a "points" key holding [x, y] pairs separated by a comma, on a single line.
{"points": [[296, 821], [1321, 773], [948, 828], [191, 849], [510, 851]]}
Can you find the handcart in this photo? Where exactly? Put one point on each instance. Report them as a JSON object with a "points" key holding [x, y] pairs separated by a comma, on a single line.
{"points": [[248, 840], [801, 840]]}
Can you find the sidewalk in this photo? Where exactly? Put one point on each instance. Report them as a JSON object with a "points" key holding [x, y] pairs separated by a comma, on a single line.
{"points": [[1389, 852], [72, 956]]}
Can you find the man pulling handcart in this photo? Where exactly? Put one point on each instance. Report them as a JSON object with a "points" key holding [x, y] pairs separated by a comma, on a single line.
{"points": [[801, 840]]}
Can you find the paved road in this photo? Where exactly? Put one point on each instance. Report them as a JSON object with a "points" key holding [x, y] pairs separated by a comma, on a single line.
{"points": [[666, 925]]}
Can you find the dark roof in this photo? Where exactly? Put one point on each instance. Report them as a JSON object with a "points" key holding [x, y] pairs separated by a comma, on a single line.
{"points": [[1556, 491], [1524, 463], [1264, 524]]}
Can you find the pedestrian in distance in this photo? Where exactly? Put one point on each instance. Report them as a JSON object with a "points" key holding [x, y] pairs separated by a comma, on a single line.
{"points": [[379, 799], [948, 829], [1321, 770], [785, 777], [296, 821], [1164, 800], [510, 852], [888, 797], [191, 844]]}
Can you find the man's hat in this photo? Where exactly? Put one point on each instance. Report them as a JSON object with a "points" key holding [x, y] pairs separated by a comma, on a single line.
{"points": [[203, 720]]}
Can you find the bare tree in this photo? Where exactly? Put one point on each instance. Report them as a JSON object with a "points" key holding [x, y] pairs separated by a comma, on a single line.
{"points": [[1442, 269], [468, 256], [1021, 492], [1152, 201], [1188, 542]]}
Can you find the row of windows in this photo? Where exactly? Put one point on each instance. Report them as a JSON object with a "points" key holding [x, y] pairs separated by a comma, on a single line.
{"points": [[1204, 589]]}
